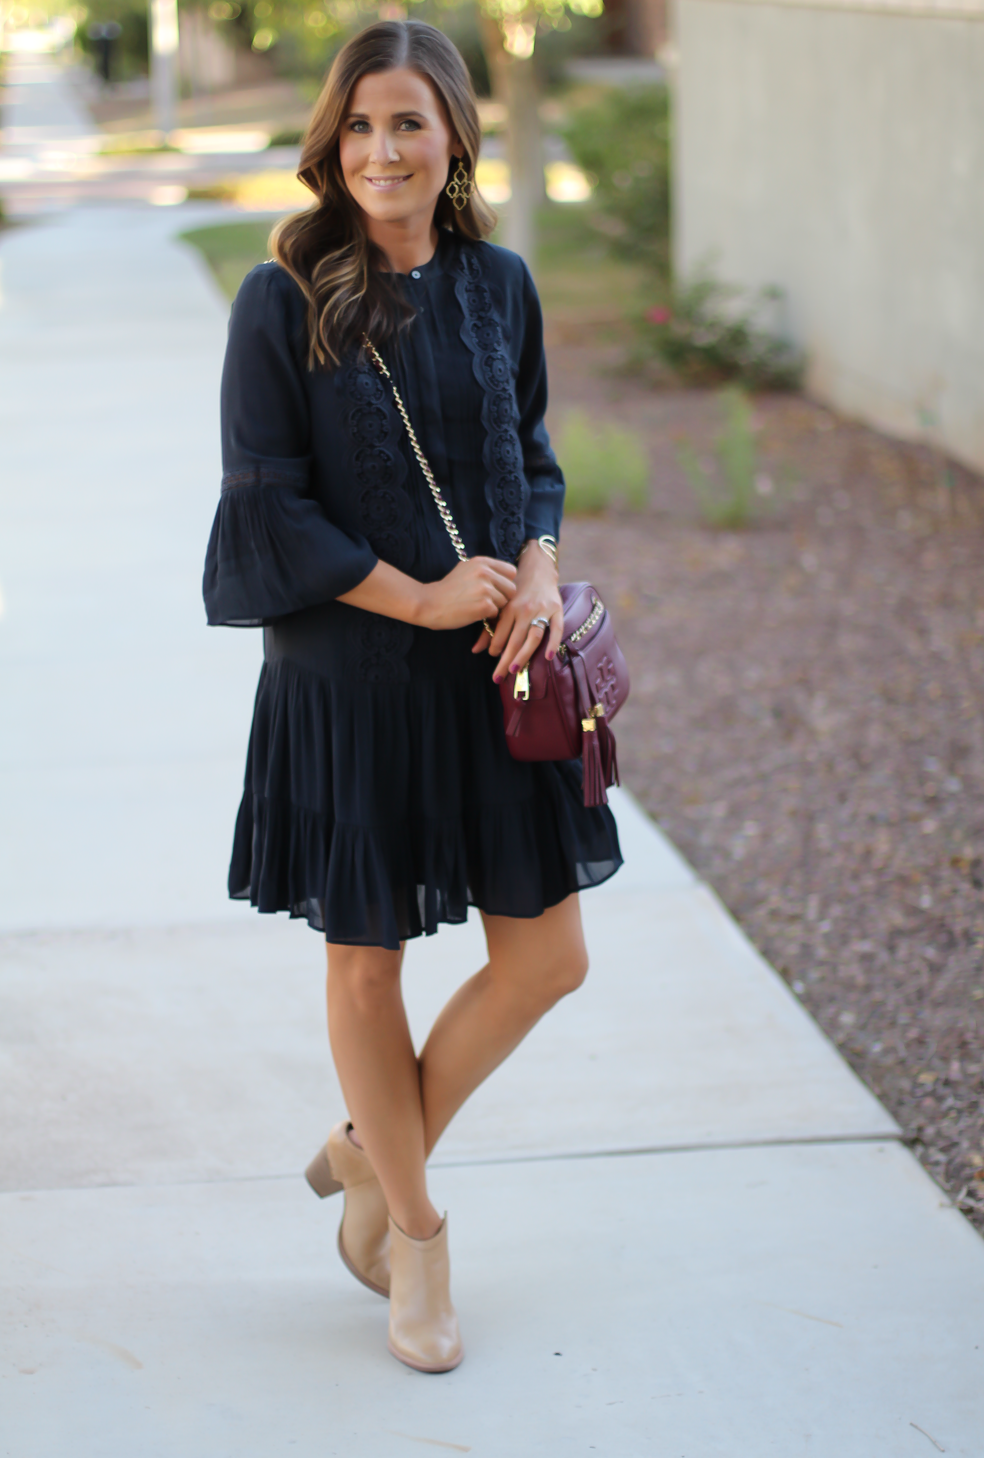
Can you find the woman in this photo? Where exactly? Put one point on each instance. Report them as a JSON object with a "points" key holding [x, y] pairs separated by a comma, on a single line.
{"points": [[380, 798]]}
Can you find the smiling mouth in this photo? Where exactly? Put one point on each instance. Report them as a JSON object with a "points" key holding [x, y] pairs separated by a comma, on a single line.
{"points": [[385, 182]]}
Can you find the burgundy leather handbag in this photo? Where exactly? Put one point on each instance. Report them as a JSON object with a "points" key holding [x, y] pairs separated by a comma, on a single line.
{"points": [[564, 708], [560, 709]]}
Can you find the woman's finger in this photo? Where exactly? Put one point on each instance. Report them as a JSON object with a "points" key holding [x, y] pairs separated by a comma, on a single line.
{"points": [[507, 569], [556, 632], [503, 631], [499, 595], [498, 641], [482, 642], [494, 591], [502, 584], [533, 640], [515, 643], [520, 645], [500, 576]]}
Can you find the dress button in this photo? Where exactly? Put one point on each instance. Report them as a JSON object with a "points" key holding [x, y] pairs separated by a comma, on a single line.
{"points": [[415, 273]]}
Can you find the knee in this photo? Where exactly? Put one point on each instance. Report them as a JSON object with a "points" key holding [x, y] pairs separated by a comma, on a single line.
{"points": [[562, 973], [365, 976], [575, 971]]}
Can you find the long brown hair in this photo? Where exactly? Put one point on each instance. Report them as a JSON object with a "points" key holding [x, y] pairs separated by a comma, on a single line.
{"points": [[326, 249]]}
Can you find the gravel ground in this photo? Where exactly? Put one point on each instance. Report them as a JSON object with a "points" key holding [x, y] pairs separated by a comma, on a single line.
{"points": [[806, 724]]}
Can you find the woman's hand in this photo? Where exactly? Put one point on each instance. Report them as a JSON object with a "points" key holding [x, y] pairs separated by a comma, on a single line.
{"points": [[536, 595], [480, 588], [476, 589]]}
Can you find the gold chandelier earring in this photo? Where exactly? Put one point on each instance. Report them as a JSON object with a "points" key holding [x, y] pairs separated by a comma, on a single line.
{"points": [[461, 186]]}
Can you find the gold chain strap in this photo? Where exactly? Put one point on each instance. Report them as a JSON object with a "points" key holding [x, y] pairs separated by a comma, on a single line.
{"points": [[424, 464], [422, 461]]}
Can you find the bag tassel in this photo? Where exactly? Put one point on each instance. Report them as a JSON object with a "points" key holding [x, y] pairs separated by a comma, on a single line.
{"points": [[594, 779], [609, 759]]}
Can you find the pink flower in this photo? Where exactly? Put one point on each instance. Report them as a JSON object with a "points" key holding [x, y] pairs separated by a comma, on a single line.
{"points": [[658, 315]]}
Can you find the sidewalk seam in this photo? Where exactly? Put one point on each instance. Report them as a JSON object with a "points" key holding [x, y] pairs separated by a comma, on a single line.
{"points": [[493, 1160]]}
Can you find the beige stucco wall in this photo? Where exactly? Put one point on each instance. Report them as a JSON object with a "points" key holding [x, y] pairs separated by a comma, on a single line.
{"points": [[839, 153]]}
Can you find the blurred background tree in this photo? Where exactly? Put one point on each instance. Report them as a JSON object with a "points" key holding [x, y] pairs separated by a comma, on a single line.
{"points": [[509, 30]]}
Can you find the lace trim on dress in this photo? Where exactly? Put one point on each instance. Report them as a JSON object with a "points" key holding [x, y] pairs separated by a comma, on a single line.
{"points": [[376, 467], [262, 474], [384, 516], [506, 488]]}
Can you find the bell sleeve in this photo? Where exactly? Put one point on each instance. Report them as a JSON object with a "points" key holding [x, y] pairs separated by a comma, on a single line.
{"points": [[546, 480], [272, 550]]}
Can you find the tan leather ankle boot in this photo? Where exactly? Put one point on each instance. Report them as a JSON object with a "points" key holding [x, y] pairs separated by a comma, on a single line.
{"points": [[423, 1325], [363, 1236]]}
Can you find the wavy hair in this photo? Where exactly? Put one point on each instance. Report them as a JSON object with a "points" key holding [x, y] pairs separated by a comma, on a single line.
{"points": [[325, 249]]}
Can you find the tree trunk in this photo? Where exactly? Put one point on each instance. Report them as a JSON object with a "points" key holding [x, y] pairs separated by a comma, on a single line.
{"points": [[514, 82], [495, 56], [525, 153], [164, 63]]}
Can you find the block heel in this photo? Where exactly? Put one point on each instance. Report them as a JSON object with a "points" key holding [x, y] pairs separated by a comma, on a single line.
{"points": [[319, 1176], [363, 1235]]}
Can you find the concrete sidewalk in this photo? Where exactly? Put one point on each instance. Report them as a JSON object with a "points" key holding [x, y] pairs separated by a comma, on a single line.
{"points": [[43, 113], [680, 1225]]}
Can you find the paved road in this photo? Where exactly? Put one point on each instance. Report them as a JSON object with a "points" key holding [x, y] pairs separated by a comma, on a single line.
{"points": [[680, 1225]]}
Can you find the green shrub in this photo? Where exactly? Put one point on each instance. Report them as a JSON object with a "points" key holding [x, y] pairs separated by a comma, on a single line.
{"points": [[289, 137], [727, 493], [624, 142], [710, 332], [604, 465], [303, 40]]}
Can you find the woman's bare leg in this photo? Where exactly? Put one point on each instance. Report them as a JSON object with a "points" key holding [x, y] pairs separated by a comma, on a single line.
{"points": [[532, 964], [380, 1077], [400, 1105]]}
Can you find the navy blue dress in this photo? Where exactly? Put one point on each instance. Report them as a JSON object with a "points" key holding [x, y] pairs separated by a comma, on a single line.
{"points": [[380, 798]]}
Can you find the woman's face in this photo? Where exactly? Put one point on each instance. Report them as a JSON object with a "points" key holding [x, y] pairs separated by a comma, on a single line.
{"points": [[395, 146]]}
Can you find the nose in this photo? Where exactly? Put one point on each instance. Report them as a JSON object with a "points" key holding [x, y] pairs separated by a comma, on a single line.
{"points": [[383, 148]]}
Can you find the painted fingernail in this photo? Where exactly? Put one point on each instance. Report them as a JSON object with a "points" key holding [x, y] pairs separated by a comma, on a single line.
{"points": [[497, 678], [514, 668], [549, 654]]}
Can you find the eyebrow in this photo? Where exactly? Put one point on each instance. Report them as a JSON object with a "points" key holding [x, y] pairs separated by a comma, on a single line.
{"points": [[364, 115]]}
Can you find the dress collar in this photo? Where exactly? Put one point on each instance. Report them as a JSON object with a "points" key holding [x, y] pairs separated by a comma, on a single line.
{"points": [[440, 259]]}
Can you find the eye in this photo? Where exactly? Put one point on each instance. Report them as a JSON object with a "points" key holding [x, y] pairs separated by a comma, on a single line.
{"points": [[409, 124], [359, 126]]}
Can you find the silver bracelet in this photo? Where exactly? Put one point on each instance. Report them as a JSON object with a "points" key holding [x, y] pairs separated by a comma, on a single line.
{"points": [[546, 543]]}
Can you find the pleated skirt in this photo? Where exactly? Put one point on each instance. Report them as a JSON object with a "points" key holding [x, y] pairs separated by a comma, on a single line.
{"points": [[380, 799]]}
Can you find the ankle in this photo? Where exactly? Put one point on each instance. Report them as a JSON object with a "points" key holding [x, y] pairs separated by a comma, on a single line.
{"points": [[418, 1223]]}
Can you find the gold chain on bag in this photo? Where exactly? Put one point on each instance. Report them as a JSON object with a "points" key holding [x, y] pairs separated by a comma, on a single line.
{"points": [[423, 463]]}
